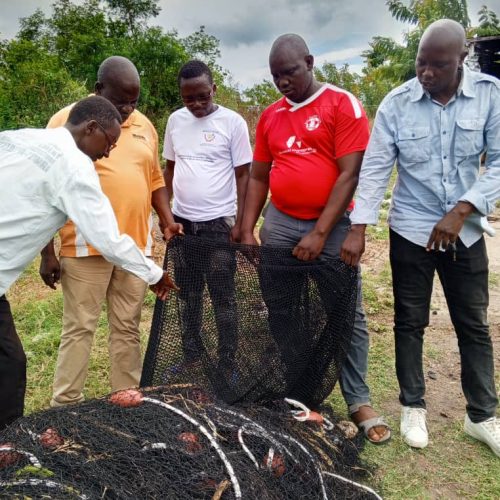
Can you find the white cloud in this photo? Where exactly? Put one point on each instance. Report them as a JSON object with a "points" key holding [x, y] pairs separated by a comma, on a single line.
{"points": [[335, 30]]}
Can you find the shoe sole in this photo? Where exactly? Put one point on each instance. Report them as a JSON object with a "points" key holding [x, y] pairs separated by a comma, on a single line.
{"points": [[414, 444], [472, 434]]}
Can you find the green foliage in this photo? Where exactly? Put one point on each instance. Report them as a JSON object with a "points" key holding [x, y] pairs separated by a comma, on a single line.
{"points": [[133, 12], [203, 46], [158, 57], [489, 24], [34, 86], [389, 63], [54, 60], [423, 12], [341, 77], [262, 94]]}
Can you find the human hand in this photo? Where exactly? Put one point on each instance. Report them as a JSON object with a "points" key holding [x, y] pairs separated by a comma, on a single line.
{"points": [[50, 270], [163, 287], [310, 246], [171, 230], [251, 253], [354, 245], [248, 239], [235, 234], [446, 231]]}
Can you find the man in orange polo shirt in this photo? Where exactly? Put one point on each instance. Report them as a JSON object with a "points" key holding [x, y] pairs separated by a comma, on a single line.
{"points": [[132, 180]]}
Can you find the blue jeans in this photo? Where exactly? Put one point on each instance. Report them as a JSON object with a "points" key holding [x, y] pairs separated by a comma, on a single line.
{"points": [[465, 285], [281, 230]]}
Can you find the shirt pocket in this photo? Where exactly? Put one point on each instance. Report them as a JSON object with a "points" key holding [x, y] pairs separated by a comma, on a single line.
{"points": [[414, 145], [469, 138]]}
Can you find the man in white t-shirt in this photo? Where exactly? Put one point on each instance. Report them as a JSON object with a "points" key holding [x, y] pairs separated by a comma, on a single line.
{"points": [[208, 153]]}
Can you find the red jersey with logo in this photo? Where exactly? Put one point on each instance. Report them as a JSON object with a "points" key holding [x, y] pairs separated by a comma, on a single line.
{"points": [[304, 140]]}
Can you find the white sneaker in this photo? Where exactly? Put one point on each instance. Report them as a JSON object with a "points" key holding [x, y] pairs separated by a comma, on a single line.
{"points": [[487, 431], [413, 427]]}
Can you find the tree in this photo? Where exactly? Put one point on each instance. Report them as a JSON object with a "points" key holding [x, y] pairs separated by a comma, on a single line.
{"points": [[341, 77], [133, 12], [489, 24], [34, 85], [421, 13], [54, 60], [200, 45], [261, 94], [396, 62]]}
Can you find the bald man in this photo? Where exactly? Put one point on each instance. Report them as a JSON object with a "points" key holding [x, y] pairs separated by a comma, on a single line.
{"points": [[313, 138], [131, 178], [436, 127]]}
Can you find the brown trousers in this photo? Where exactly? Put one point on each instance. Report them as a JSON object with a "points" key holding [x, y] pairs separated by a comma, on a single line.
{"points": [[86, 283]]}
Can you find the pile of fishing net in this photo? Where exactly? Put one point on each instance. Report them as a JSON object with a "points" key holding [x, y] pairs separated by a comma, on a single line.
{"points": [[177, 442], [251, 324]]}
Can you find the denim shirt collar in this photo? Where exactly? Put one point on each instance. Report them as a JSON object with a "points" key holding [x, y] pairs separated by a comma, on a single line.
{"points": [[465, 87]]}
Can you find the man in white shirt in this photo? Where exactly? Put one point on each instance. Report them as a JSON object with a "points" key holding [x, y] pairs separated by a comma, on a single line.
{"points": [[208, 152], [47, 176]]}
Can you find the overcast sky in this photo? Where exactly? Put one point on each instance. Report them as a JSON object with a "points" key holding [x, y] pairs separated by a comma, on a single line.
{"points": [[335, 30]]}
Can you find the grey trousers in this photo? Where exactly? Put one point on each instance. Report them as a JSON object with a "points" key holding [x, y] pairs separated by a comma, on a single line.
{"points": [[281, 230]]}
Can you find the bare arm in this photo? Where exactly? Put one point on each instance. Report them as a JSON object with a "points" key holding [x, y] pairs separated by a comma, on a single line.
{"points": [[311, 245], [50, 270], [256, 196], [168, 175], [161, 203], [241, 174]]}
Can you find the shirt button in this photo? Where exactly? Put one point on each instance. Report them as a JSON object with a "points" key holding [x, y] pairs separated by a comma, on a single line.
{"points": [[444, 157], [444, 180], [444, 132]]}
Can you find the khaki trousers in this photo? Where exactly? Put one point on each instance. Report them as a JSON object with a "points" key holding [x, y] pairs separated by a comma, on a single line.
{"points": [[86, 283]]}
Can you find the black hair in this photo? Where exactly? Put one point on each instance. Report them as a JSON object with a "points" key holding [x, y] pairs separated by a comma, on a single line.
{"points": [[194, 69], [94, 108]]}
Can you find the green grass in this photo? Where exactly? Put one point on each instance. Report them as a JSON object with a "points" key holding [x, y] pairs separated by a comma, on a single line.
{"points": [[453, 466], [493, 279], [39, 324]]}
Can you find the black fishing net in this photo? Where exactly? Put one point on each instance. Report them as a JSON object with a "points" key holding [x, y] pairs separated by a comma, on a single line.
{"points": [[177, 442], [249, 327], [251, 324]]}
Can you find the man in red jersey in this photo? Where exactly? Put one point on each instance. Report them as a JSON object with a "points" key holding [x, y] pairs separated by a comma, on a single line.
{"points": [[314, 139]]}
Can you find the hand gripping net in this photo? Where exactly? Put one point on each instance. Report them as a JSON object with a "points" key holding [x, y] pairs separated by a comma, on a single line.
{"points": [[251, 324], [249, 327]]}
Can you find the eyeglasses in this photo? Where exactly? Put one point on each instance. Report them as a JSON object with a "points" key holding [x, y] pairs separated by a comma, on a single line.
{"points": [[111, 143], [201, 98]]}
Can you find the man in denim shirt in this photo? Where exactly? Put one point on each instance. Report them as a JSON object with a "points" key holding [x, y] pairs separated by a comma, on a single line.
{"points": [[436, 127]]}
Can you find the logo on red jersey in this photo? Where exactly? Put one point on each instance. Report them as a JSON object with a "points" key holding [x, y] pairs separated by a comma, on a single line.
{"points": [[313, 122], [295, 146], [291, 141]]}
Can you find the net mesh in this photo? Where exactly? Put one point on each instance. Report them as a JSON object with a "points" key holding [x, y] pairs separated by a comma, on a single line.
{"points": [[249, 327], [178, 442], [251, 324]]}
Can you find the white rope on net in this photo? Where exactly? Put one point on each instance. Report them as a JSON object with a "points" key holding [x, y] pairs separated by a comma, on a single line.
{"points": [[206, 432]]}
